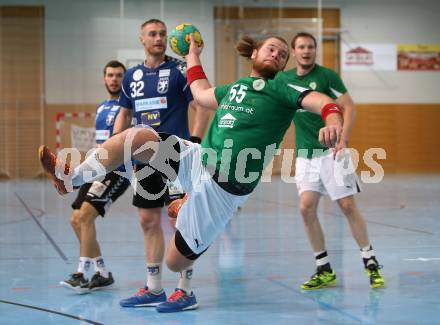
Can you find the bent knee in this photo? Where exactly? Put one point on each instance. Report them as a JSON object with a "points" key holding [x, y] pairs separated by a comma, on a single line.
{"points": [[75, 221], [141, 136], [348, 207], [307, 210], [150, 222], [86, 218], [177, 263], [172, 264]]}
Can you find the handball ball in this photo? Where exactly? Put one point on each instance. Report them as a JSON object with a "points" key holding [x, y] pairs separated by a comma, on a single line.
{"points": [[174, 207], [179, 38]]}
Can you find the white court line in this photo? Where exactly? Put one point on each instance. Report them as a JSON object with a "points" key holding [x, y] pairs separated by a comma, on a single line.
{"points": [[423, 259]]}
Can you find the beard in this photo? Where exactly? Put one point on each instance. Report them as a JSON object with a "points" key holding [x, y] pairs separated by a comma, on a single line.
{"points": [[113, 93], [265, 70]]}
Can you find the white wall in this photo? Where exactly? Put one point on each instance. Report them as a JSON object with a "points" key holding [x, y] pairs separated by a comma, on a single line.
{"points": [[392, 21], [380, 21], [82, 35]]}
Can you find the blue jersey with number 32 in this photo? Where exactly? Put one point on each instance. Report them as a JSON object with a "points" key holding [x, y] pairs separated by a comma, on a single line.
{"points": [[158, 97]]}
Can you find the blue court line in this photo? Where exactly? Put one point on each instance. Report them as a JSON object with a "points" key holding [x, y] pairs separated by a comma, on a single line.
{"points": [[50, 311], [59, 251], [321, 303]]}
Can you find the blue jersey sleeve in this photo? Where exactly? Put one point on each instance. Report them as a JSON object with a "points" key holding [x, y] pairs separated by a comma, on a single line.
{"points": [[124, 97]]}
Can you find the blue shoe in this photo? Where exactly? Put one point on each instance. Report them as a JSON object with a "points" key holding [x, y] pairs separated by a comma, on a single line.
{"points": [[178, 301], [144, 298]]}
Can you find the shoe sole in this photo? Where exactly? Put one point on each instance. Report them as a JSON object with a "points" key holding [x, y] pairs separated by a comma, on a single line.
{"points": [[153, 304], [195, 306], [44, 154], [377, 286], [327, 285], [192, 307], [41, 155], [110, 286], [81, 291]]}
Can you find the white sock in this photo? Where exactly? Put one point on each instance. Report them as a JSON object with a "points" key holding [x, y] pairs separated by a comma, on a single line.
{"points": [[366, 248], [84, 264], [321, 258], [185, 280], [89, 170], [367, 252], [368, 256], [154, 277], [98, 262]]}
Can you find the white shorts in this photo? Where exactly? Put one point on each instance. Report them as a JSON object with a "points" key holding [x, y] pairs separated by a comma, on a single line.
{"points": [[209, 208], [325, 175]]}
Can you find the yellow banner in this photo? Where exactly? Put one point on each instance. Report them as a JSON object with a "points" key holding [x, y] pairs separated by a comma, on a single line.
{"points": [[418, 57], [418, 47]]}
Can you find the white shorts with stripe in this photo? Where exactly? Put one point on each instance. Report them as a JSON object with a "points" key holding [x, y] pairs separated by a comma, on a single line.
{"points": [[209, 208], [326, 175]]}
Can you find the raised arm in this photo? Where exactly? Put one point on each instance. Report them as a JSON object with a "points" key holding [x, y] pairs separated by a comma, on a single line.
{"points": [[201, 89]]}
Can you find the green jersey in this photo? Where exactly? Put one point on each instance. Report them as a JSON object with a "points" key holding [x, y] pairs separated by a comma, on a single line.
{"points": [[307, 124], [248, 126]]}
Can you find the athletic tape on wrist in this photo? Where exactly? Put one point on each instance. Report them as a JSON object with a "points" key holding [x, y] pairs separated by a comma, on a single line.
{"points": [[330, 108], [195, 73]]}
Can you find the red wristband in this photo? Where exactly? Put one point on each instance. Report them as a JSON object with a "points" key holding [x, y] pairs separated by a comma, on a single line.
{"points": [[330, 108], [195, 73]]}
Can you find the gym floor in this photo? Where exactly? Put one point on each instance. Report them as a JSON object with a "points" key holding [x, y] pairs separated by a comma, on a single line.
{"points": [[250, 275]]}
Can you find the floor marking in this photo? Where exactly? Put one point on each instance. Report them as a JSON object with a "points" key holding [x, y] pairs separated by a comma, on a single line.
{"points": [[51, 311], [423, 259], [54, 244]]}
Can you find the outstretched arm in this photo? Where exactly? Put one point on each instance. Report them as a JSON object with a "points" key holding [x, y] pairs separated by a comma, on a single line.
{"points": [[318, 103]]}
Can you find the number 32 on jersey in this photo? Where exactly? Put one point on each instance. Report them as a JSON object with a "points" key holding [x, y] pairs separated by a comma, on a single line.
{"points": [[137, 88]]}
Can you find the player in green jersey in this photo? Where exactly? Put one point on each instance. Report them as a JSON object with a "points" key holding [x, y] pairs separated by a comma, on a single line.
{"points": [[252, 115], [318, 173]]}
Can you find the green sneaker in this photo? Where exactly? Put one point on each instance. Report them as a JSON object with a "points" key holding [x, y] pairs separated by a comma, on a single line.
{"points": [[376, 279], [320, 280]]}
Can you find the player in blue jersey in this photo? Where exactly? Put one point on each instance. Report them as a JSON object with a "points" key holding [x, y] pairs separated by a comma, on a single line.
{"points": [[156, 94], [95, 198]]}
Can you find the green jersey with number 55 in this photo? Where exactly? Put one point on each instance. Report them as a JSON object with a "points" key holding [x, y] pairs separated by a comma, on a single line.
{"points": [[250, 122]]}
